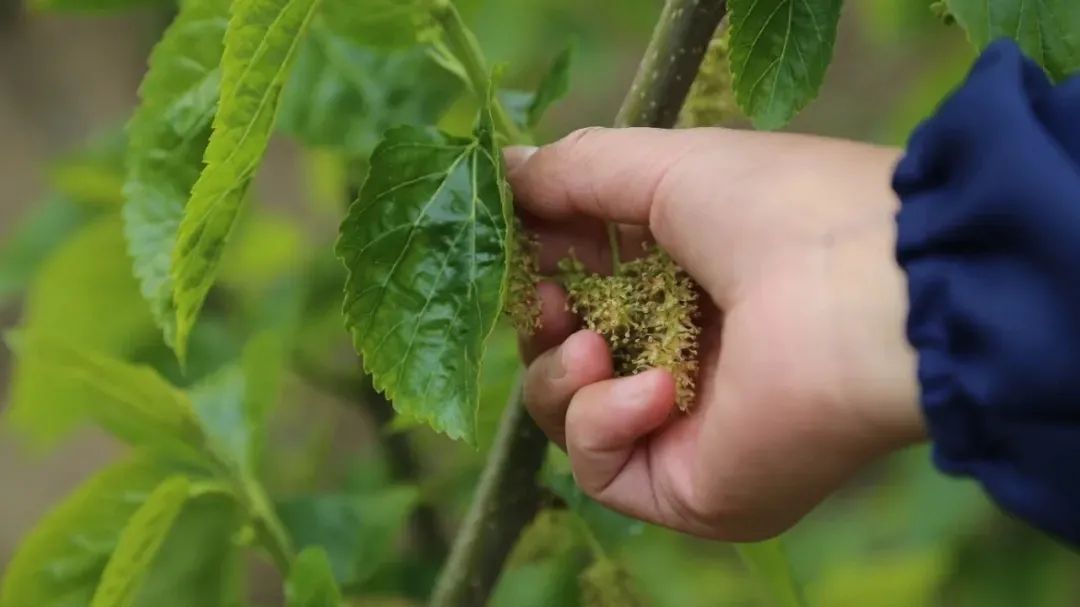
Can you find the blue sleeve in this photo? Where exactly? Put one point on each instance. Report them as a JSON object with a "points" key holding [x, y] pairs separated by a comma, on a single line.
{"points": [[989, 236]]}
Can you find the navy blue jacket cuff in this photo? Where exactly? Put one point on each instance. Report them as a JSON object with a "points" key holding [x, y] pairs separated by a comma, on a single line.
{"points": [[989, 236]]}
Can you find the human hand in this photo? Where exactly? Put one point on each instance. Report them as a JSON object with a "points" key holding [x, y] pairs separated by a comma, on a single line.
{"points": [[806, 374]]}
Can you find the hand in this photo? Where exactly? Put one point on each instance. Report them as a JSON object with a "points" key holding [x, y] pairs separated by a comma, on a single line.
{"points": [[806, 374]]}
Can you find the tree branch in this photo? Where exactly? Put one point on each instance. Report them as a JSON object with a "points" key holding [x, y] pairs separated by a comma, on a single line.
{"points": [[506, 499], [508, 495], [671, 62]]}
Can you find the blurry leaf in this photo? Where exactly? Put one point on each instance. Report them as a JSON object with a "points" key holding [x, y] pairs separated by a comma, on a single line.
{"points": [[233, 403], [545, 565], [345, 95], [769, 563], [218, 402], [263, 363], [132, 402], [606, 584], [1047, 30], [673, 570], [311, 583], [59, 563], [1037, 570], [168, 135], [356, 531], [264, 248], [893, 22], [326, 171], [93, 174], [919, 99], [780, 50], [424, 246], [260, 42], [498, 375], [883, 580], [381, 23], [139, 543], [609, 527], [30, 241], [91, 6], [108, 316], [554, 86], [540, 584], [516, 103], [198, 565]]}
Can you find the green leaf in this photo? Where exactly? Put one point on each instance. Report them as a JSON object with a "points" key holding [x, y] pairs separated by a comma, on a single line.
{"points": [[606, 584], [260, 42], [517, 104], [780, 50], [90, 6], [554, 86], [610, 528], [34, 238], [232, 404], [139, 543], [498, 377], [345, 95], [218, 403], [311, 583], [199, 562], [356, 531], [59, 563], [133, 402], [544, 567], [1047, 30], [544, 583], [886, 579], [93, 174], [425, 249], [167, 138], [769, 563], [380, 23], [108, 316]]}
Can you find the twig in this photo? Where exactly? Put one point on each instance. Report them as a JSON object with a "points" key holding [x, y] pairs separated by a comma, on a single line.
{"points": [[506, 499], [464, 46], [508, 496], [671, 62]]}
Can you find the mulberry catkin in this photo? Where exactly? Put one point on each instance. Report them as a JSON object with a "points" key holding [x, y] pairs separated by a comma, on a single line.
{"points": [[646, 311]]}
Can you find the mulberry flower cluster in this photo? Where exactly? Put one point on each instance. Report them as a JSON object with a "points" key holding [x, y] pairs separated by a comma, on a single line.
{"points": [[646, 311]]}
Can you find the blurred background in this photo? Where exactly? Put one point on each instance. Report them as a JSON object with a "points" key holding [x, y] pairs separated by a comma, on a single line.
{"points": [[899, 535]]}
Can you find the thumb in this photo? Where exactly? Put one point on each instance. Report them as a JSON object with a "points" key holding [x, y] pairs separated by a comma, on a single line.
{"points": [[604, 424], [605, 174]]}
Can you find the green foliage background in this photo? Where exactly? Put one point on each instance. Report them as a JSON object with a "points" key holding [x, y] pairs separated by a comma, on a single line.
{"points": [[270, 446]]}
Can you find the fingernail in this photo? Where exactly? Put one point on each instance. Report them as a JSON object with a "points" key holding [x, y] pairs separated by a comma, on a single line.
{"points": [[516, 155]]}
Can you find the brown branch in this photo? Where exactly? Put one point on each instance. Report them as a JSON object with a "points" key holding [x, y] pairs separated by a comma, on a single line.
{"points": [[506, 499], [508, 496], [671, 62]]}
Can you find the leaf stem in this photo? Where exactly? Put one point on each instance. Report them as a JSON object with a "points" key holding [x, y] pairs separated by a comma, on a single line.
{"points": [[613, 244], [464, 46], [271, 530]]}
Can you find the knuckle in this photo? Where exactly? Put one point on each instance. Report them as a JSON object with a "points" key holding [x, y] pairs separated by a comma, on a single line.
{"points": [[579, 141]]}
